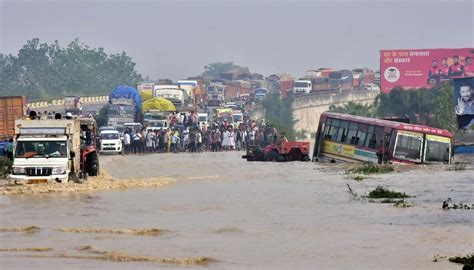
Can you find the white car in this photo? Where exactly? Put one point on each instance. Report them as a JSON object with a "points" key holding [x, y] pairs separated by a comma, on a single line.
{"points": [[110, 141]]}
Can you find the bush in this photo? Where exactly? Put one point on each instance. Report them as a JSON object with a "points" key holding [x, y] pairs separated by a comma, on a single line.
{"points": [[380, 192], [371, 168]]}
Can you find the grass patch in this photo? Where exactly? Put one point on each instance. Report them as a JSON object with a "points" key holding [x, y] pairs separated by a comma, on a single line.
{"points": [[380, 192], [467, 261], [358, 178], [371, 168]]}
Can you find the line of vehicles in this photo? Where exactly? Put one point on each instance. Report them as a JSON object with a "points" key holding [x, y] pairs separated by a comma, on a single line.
{"points": [[329, 79]]}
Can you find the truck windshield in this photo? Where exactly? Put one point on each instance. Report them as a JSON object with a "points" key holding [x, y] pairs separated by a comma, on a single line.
{"points": [[237, 117], [109, 136], [41, 149], [202, 119], [301, 84]]}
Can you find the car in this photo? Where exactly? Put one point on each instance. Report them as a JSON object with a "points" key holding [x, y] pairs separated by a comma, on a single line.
{"points": [[110, 141]]}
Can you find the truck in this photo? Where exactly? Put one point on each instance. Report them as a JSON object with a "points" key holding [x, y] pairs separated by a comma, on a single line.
{"points": [[11, 108], [124, 106], [223, 115], [341, 80], [260, 94], [73, 105], [192, 89], [177, 96], [302, 87], [216, 93], [157, 119], [56, 150], [280, 152]]}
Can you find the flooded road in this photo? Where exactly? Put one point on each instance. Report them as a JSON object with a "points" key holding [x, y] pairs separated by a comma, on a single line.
{"points": [[221, 212]]}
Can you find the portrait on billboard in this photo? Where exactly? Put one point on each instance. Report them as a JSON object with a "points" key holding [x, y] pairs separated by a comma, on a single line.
{"points": [[464, 101]]}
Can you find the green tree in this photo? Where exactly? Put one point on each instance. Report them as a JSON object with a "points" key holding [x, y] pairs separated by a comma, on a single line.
{"points": [[42, 70], [214, 69], [279, 113], [354, 109]]}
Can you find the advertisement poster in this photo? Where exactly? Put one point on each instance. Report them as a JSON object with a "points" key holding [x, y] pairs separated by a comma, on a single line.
{"points": [[464, 101], [420, 68]]}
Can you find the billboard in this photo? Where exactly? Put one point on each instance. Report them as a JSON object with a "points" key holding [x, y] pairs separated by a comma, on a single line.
{"points": [[464, 101], [423, 67]]}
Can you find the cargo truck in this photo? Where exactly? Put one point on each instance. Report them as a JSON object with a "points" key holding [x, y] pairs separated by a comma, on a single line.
{"points": [[11, 108], [124, 106], [177, 96], [216, 93], [54, 150]]}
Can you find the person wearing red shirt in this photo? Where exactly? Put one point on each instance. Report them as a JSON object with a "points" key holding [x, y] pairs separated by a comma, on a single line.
{"points": [[434, 74], [444, 69], [468, 68], [456, 70]]}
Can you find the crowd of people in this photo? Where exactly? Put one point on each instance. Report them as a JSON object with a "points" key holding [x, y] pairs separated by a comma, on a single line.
{"points": [[195, 138]]}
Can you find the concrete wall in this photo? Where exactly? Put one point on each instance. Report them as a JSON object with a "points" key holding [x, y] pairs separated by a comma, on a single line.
{"points": [[308, 109]]}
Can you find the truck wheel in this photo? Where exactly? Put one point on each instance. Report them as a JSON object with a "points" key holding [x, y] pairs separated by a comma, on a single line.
{"points": [[92, 164]]}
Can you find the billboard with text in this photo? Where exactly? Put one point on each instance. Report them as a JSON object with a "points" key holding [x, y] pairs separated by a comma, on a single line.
{"points": [[420, 68]]}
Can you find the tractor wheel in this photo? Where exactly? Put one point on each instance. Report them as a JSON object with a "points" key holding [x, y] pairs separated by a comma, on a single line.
{"points": [[92, 164], [273, 156]]}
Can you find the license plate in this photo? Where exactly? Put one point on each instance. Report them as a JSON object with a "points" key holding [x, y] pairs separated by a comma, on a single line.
{"points": [[37, 181]]}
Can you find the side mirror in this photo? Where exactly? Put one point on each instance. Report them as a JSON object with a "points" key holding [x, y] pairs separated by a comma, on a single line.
{"points": [[72, 154]]}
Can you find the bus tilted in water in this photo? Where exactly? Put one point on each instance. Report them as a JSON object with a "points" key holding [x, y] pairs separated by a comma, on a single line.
{"points": [[349, 138]]}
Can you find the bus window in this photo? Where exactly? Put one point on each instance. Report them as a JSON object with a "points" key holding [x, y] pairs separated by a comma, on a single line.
{"points": [[352, 133], [408, 146], [371, 138], [437, 149], [342, 133], [361, 135]]}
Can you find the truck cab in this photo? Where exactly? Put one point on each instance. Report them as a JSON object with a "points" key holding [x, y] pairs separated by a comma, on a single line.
{"points": [[302, 87], [54, 150]]}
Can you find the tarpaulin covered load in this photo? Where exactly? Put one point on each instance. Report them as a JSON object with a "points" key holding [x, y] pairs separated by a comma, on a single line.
{"points": [[158, 103], [126, 92], [146, 94]]}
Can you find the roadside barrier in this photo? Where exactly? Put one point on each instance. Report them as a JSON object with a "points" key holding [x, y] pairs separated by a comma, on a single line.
{"points": [[59, 102]]}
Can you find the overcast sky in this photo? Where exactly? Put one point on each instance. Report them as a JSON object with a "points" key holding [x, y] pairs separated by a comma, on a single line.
{"points": [[175, 39]]}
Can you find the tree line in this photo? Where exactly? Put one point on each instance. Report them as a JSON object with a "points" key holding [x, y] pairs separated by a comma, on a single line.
{"points": [[43, 71]]}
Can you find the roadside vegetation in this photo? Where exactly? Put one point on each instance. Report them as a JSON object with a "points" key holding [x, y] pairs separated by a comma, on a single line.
{"points": [[371, 168], [42, 71], [279, 113], [380, 192]]}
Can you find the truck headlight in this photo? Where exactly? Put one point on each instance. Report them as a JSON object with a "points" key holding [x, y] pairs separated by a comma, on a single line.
{"points": [[59, 170], [18, 170]]}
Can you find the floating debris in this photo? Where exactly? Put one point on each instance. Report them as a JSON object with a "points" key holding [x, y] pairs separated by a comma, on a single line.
{"points": [[467, 261], [461, 205]]}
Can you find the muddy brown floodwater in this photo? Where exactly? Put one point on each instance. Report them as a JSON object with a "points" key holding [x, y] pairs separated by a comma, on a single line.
{"points": [[221, 212]]}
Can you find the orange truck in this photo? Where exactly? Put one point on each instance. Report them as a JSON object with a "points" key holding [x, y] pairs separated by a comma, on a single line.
{"points": [[11, 108]]}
